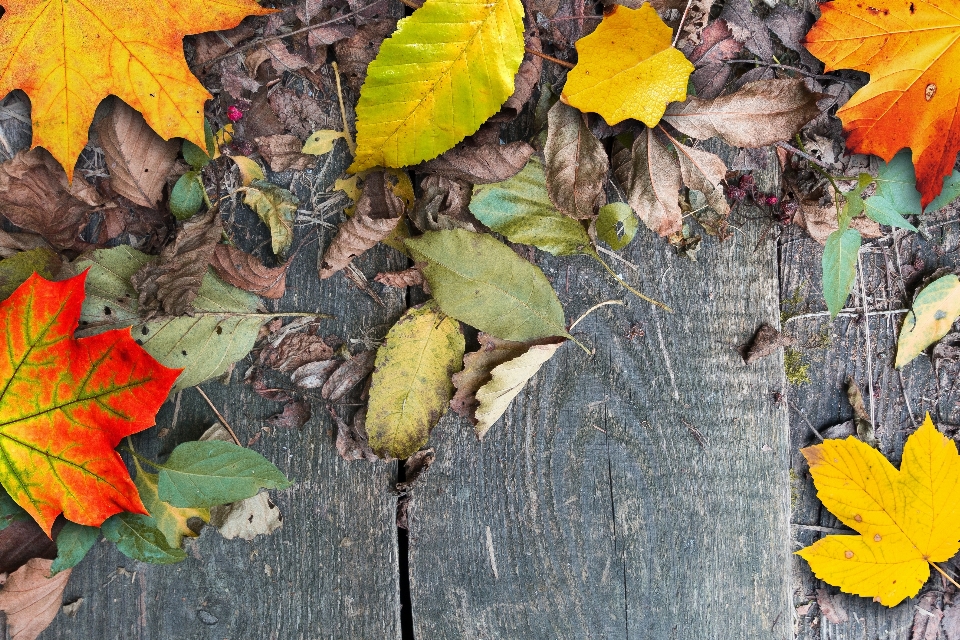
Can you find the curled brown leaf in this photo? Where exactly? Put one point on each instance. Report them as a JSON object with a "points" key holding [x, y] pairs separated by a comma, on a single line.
{"points": [[31, 598], [575, 162], [242, 270], [650, 175], [411, 277], [480, 163]]}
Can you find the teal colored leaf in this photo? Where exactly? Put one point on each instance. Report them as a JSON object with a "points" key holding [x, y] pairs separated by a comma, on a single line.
{"points": [[896, 195], [480, 281], [208, 474], [136, 539], [521, 210], [617, 224], [951, 191], [186, 197], [73, 543], [839, 267]]}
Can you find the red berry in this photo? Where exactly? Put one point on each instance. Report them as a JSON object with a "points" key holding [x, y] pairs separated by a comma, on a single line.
{"points": [[234, 113], [772, 200]]}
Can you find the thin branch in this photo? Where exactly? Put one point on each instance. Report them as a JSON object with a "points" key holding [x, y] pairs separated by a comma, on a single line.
{"points": [[944, 574], [683, 19], [846, 313], [805, 156], [540, 54], [343, 111], [220, 417], [594, 308]]}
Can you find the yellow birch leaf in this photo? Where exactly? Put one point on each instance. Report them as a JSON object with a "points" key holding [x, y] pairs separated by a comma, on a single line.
{"points": [[322, 141], [411, 382], [68, 56], [444, 71], [627, 68], [907, 519], [170, 520], [249, 170], [934, 312]]}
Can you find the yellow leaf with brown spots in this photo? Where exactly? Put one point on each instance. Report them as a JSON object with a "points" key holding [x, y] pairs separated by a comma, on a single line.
{"points": [[907, 519]]}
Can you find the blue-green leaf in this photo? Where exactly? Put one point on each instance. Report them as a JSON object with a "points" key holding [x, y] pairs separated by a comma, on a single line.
{"points": [[896, 194], [136, 539], [839, 267], [73, 543]]}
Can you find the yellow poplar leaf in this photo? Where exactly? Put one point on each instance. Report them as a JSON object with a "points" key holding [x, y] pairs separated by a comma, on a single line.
{"points": [[906, 519], [627, 68], [170, 520], [249, 170], [67, 56], [444, 71], [321, 142], [934, 312], [411, 381], [222, 138]]}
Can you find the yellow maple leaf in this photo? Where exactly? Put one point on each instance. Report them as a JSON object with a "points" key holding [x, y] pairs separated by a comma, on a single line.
{"points": [[67, 56], [627, 68], [907, 519]]}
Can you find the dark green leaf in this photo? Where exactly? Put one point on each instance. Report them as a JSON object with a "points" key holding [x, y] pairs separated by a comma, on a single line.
{"points": [[617, 225], [207, 474], [73, 543], [951, 191], [10, 511], [15, 270], [186, 197], [136, 539], [839, 267], [896, 195]]}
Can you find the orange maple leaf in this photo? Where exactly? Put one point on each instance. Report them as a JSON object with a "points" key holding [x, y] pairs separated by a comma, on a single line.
{"points": [[65, 404], [68, 55], [911, 49]]}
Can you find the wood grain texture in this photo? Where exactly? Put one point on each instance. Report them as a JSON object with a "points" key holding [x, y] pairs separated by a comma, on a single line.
{"points": [[835, 351], [331, 571], [603, 515]]}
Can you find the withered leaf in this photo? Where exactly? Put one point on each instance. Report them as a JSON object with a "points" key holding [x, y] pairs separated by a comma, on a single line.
{"points": [[861, 418], [31, 599], [348, 375], [282, 153], [242, 270], [480, 163], [138, 159], [277, 207], [171, 283], [790, 26], [13, 243], [523, 83], [759, 114], [401, 279], [748, 28], [443, 205], [415, 466], [576, 163], [313, 375], [764, 343], [357, 52], [820, 221], [650, 175], [294, 351], [352, 441], [477, 366], [303, 114], [296, 413], [378, 213], [22, 540], [717, 46], [704, 172], [35, 195]]}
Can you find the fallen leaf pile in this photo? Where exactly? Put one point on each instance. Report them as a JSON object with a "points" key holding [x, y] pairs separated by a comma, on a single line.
{"points": [[474, 134]]}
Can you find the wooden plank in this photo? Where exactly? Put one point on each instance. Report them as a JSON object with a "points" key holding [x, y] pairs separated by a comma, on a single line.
{"points": [[591, 510], [838, 350], [331, 571]]}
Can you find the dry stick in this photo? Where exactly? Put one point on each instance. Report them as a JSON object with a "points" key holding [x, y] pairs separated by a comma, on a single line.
{"points": [[343, 112], [540, 54], [846, 313], [866, 325], [223, 420], [944, 574], [804, 416], [683, 19], [594, 308], [656, 303], [804, 155]]}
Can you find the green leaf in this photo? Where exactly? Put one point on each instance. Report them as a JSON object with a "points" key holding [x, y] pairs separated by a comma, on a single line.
{"points": [[186, 197], [481, 282], [136, 539], [10, 511], [896, 195], [170, 520], [444, 71], [73, 543], [411, 385], [839, 267], [321, 142], [221, 331], [15, 270], [277, 207], [852, 207], [520, 209], [194, 155], [935, 310], [950, 192], [617, 224], [207, 474]]}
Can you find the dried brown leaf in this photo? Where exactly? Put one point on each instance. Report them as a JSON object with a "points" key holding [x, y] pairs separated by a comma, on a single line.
{"points": [[282, 153], [650, 176], [303, 114], [575, 163], [35, 195], [138, 159], [411, 277], [790, 26], [748, 28], [764, 343], [171, 283], [704, 172], [861, 418], [479, 163], [349, 375], [379, 211], [820, 221], [759, 114], [13, 243], [414, 467], [20, 541], [313, 375], [526, 80], [352, 438], [242, 270], [443, 205], [476, 371], [294, 351], [716, 47], [31, 599], [357, 52], [296, 413]]}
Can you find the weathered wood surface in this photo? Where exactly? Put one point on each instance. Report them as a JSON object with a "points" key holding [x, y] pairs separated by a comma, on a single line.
{"points": [[591, 510], [837, 351]]}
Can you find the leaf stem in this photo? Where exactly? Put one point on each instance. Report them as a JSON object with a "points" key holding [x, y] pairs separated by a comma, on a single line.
{"points": [[944, 574], [343, 110], [818, 167], [223, 420], [594, 308], [623, 284], [540, 54]]}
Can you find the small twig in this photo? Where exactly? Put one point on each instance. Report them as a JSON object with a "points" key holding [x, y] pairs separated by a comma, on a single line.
{"points": [[846, 313], [540, 54], [683, 19], [772, 65], [805, 156], [813, 527], [944, 574], [594, 308], [802, 415], [343, 112], [616, 256], [626, 286], [701, 440], [223, 420], [866, 325]]}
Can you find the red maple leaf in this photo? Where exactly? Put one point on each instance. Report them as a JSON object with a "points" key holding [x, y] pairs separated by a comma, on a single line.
{"points": [[65, 404]]}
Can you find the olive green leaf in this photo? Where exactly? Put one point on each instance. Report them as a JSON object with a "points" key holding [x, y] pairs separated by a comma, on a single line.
{"points": [[277, 207], [617, 225], [411, 381], [444, 71], [15, 270], [136, 538], [935, 310], [481, 282]]}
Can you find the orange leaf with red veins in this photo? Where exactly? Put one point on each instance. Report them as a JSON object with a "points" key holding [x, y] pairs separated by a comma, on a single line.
{"points": [[65, 404], [911, 49], [68, 56]]}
